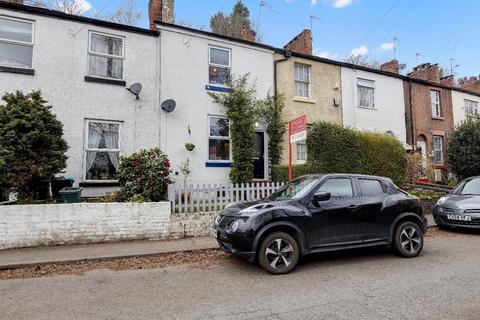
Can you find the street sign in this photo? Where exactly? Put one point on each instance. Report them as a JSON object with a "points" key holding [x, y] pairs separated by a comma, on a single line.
{"points": [[297, 131]]}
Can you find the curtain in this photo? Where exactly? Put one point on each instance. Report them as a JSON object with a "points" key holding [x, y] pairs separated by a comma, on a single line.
{"points": [[111, 142], [94, 137]]}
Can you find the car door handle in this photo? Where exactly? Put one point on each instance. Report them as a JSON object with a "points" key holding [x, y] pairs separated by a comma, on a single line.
{"points": [[354, 208]]}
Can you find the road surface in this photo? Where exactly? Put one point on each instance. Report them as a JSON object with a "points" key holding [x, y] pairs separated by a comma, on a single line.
{"points": [[443, 283]]}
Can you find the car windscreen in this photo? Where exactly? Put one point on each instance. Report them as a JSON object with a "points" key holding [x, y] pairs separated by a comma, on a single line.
{"points": [[469, 187], [294, 190]]}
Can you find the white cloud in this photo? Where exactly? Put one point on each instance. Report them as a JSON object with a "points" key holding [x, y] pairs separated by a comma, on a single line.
{"points": [[325, 54], [387, 46], [334, 3], [360, 51]]}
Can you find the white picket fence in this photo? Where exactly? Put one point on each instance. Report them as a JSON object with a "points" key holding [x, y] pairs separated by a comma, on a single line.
{"points": [[205, 198]]}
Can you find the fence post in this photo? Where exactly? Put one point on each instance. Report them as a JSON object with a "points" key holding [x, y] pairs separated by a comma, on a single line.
{"points": [[171, 196]]}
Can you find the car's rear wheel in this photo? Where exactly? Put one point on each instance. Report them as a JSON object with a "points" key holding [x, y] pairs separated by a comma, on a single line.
{"points": [[279, 253], [408, 239]]}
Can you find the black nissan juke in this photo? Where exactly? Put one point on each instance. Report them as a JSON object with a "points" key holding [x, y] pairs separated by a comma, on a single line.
{"points": [[318, 213]]}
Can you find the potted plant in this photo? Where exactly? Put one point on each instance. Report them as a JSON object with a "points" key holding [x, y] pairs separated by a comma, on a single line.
{"points": [[189, 146]]}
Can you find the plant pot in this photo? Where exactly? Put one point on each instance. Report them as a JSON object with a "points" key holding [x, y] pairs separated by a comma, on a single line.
{"points": [[189, 146]]}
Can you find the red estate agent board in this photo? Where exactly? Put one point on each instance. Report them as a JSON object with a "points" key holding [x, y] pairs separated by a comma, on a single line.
{"points": [[297, 131]]}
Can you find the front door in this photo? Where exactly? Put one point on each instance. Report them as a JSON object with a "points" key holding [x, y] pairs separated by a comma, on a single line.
{"points": [[259, 160], [339, 220]]}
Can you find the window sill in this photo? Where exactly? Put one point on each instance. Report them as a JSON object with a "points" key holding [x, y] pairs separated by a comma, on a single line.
{"points": [[304, 100], [25, 71], [106, 81], [99, 184], [211, 87], [218, 164], [438, 118], [367, 108]]}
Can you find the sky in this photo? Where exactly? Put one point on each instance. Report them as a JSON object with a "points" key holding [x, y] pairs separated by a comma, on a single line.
{"points": [[434, 31]]}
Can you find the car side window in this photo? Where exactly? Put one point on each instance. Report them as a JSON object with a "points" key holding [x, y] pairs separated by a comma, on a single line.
{"points": [[370, 187], [339, 188]]}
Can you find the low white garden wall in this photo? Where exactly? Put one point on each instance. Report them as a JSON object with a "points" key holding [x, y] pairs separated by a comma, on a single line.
{"points": [[38, 225]]}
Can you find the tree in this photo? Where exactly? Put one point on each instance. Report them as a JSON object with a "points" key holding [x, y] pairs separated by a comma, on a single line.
{"points": [[362, 60], [233, 24], [75, 7], [32, 148], [272, 108], [126, 13], [464, 148]]}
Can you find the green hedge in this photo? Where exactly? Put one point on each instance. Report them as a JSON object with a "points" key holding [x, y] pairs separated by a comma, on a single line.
{"points": [[334, 149], [464, 149]]}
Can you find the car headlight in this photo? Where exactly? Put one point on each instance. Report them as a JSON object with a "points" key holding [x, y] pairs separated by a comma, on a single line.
{"points": [[217, 220], [441, 201], [251, 209], [233, 227]]}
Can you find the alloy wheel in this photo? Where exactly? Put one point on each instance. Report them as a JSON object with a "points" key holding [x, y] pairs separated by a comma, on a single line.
{"points": [[410, 239], [279, 253]]}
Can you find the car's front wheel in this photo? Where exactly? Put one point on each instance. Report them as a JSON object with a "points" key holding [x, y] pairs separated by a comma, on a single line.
{"points": [[408, 239], [279, 253]]}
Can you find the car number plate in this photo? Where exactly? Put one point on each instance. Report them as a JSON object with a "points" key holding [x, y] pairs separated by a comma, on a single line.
{"points": [[458, 218]]}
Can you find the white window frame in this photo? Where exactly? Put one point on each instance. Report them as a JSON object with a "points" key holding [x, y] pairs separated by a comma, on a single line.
{"points": [[295, 80], [210, 64], [437, 103], [229, 138], [368, 84], [86, 148], [104, 55], [24, 43], [435, 150], [474, 107], [303, 143]]}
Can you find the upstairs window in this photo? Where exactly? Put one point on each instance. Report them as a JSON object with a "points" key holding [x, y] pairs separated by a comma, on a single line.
{"points": [[219, 65], [102, 150], [105, 56], [302, 80], [438, 149], [16, 42], [436, 106], [218, 138], [471, 108], [366, 93]]}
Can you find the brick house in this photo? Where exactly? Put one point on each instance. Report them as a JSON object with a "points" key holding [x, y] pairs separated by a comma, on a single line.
{"points": [[429, 114]]}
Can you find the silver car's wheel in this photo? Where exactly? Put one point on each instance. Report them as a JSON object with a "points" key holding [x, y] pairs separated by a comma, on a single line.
{"points": [[278, 253], [408, 239]]}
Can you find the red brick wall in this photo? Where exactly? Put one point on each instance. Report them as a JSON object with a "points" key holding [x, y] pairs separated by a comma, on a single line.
{"points": [[160, 10], [302, 43]]}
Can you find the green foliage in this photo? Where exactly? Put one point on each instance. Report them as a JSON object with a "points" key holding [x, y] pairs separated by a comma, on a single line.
{"points": [[280, 171], [334, 149], [242, 109], [272, 108], [233, 24], [144, 176], [464, 149], [31, 145]]}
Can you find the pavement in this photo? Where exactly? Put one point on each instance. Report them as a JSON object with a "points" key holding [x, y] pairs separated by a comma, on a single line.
{"points": [[19, 258], [442, 283]]}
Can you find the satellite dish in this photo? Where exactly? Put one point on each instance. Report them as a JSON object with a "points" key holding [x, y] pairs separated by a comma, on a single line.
{"points": [[168, 105], [135, 89]]}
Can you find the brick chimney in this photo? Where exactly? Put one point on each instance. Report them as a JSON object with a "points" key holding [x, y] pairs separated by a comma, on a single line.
{"points": [[448, 80], [302, 43], [471, 84], [426, 71], [248, 35], [160, 10], [390, 66]]}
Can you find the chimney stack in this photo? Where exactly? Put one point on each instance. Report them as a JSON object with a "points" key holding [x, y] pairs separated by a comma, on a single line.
{"points": [[302, 43], [391, 66], [448, 80], [470, 84], [427, 72], [160, 10], [248, 35]]}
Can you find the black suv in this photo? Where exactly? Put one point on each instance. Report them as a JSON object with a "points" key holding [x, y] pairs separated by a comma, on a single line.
{"points": [[317, 213]]}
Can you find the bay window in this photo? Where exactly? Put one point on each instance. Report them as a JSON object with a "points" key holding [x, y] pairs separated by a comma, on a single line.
{"points": [[16, 42], [105, 56], [219, 64], [102, 150], [218, 138]]}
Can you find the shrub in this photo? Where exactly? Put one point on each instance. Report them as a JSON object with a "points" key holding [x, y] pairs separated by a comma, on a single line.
{"points": [[334, 149], [464, 149], [144, 176], [419, 168], [31, 145], [280, 171]]}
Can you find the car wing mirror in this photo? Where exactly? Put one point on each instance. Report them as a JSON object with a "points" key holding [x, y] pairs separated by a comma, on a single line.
{"points": [[322, 196]]}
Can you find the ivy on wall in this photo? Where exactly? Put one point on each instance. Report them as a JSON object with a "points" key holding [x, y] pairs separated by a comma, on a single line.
{"points": [[272, 110]]}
